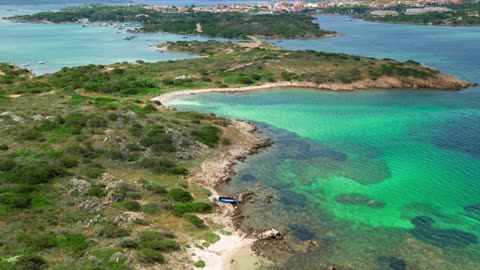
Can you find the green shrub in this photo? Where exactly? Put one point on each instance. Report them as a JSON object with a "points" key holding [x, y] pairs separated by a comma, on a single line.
{"points": [[134, 195], [157, 165], [92, 173], [183, 208], [155, 188], [76, 120], [208, 135], [3, 147], [180, 195], [74, 243], [96, 121], [35, 172], [96, 190], [128, 243], [30, 262], [150, 256], [194, 220], [130, 205], [111, 230], [16, 200], [178, 170], [30, 134], [154, 235], [199, 264], [158, 141], [7, 164], [38, 240], [165, 245], [149, 108], [151, 208], [68, 162], [226, 141]]}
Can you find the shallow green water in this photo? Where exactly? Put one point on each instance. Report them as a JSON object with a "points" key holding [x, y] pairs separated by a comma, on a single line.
{"points": [[380, 179]]}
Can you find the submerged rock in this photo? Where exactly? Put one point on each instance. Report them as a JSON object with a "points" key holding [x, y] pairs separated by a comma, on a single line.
{"points": [[292, 198], [425, 231], [247, 177], [358, 199], [301, 232], [390, 263]]}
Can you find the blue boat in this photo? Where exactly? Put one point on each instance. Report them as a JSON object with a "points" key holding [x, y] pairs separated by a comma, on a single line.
{"points": [[228, 200]]}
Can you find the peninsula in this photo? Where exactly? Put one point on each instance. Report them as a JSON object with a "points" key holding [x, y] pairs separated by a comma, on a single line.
{"points": [[104, 177]]}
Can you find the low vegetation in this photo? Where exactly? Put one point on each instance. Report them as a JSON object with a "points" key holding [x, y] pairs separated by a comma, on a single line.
{"points": [[94, 182]]}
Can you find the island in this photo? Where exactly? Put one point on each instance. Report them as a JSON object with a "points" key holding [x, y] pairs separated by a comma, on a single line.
{"points": [[222, 24], [104, 176]]}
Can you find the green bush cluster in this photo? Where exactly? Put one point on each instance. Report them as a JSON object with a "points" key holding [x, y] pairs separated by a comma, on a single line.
{"points": [[130, 205], [194, 220], [158, 241], [111, 230], [208, 135], [180, 195], [198, 207]]}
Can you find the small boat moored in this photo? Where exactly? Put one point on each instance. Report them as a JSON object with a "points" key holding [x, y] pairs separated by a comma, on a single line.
{"points": [[41, 62], [229, 200]]}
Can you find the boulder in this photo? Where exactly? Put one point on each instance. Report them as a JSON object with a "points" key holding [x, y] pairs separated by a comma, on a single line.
{"points": [[79, 185]]}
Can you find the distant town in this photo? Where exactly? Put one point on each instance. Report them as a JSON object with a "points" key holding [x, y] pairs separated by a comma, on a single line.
{"points": [[418, 6]]}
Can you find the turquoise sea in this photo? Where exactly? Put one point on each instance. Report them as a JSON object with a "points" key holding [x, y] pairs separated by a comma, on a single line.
{"points": [[60, 45], [379, 179]]}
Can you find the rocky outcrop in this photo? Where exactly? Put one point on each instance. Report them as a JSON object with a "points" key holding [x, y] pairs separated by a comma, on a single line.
{"points": [[80, 186], [219, 171]]}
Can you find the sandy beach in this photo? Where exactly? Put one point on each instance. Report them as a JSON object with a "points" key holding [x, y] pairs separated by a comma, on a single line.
{"points": [[443, 81]]}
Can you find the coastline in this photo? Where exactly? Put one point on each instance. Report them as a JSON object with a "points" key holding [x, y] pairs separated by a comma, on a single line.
{"points": [[218, 170], [236, 247], [445, 82]]}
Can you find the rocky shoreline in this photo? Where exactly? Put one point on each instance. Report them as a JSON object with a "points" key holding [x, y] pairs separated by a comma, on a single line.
{"points": [[213, 175]]}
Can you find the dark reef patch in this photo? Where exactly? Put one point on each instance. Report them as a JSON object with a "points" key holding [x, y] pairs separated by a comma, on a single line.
{"points": [[424, 231], [358, 199], [282, 186], [301, 232], [247, 177], [292, 198], [472, 207], [390, 263], [460, 135]]}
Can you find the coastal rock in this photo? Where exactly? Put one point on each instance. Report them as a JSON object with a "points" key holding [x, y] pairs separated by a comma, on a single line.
{"points": [[131, 114], [90, 204], [110, 182], [37, 117], [270, 234], [308, 245], [79, 185]]}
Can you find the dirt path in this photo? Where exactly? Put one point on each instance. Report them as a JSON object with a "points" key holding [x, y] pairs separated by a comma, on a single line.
{"points": [[240, 66]]}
